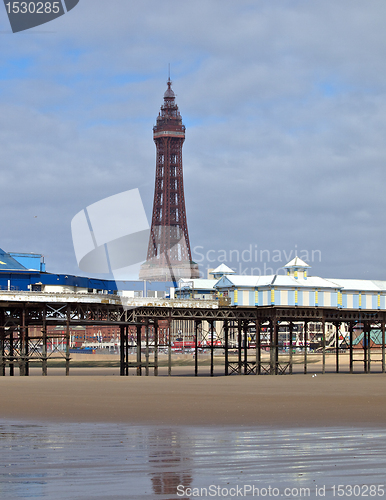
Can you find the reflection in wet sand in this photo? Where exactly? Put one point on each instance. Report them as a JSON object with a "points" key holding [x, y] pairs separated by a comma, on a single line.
{"points": [[116, 461], [169, 456]]}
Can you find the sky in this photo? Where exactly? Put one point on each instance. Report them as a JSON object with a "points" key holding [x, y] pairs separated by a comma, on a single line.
{"points": [[284, 103]]}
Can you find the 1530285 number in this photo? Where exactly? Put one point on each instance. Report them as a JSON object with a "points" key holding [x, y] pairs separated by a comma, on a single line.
{"points": [[357, 490], [33, 7]]}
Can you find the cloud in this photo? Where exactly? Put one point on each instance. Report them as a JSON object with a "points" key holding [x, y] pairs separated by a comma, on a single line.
{"points": [[284, 103]]}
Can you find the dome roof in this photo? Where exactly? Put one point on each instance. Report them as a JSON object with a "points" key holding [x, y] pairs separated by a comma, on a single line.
{"points": [[169, 94]]}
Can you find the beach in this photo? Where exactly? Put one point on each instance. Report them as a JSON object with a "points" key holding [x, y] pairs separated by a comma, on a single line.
{"points": [[290, 400], [97, 435]]}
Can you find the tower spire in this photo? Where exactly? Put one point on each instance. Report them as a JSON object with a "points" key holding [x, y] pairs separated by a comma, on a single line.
{"points": [[169, 256]]}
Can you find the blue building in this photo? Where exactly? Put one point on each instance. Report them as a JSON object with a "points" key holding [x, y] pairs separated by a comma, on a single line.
{"points": [[26, 272]]}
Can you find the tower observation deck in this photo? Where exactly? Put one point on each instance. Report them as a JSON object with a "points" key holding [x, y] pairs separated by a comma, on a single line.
{"points": [[169, 255]]}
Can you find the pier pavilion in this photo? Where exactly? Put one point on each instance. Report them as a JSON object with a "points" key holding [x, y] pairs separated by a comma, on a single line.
{"points": [[329, 325]]}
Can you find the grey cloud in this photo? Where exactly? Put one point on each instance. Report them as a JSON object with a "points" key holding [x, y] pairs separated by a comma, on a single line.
{"points": [[287, 104]]}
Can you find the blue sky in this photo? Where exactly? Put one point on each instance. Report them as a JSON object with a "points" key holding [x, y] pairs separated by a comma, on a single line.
{"points": [[285, 108]]}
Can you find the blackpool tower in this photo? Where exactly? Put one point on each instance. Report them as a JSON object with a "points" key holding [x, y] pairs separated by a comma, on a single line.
{"points": [[169, 256]]}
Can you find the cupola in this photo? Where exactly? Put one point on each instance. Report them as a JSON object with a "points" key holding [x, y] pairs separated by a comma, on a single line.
{"points": [[297, 268]]}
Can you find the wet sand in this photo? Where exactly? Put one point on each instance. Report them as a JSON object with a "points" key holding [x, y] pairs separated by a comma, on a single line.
{"points": [[291, 401], [100, 461]]}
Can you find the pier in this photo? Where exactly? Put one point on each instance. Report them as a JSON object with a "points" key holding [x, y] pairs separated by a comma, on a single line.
{"points": [[235, 340]]}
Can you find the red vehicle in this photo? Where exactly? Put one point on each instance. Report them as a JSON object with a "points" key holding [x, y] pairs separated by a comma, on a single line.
{"points": [[184, 344], [189, 344]]}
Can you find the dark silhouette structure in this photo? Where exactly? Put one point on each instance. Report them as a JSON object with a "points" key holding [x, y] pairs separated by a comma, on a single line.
{"points": [[169, 256]]}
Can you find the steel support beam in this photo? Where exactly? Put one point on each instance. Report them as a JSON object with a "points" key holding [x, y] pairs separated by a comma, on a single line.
{"points": [[337, 325], [11, 353], [305, 338], [290, 369], [239, 345], [139, 349], [351, 353], [274, 347], [169, 348], [122, 350], [245, 346], [226, 346], [44, 343], [211, 325], [155, 348], [383, 346], [147, 348], [68, 317], [2, 344], [258, 348]]}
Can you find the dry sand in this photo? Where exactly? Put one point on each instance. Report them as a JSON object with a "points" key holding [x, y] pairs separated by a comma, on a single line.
{"points": [[290, 401]]}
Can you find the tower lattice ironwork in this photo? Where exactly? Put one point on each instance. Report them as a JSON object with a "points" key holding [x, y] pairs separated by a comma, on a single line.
{"points": [[169, 255]]}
